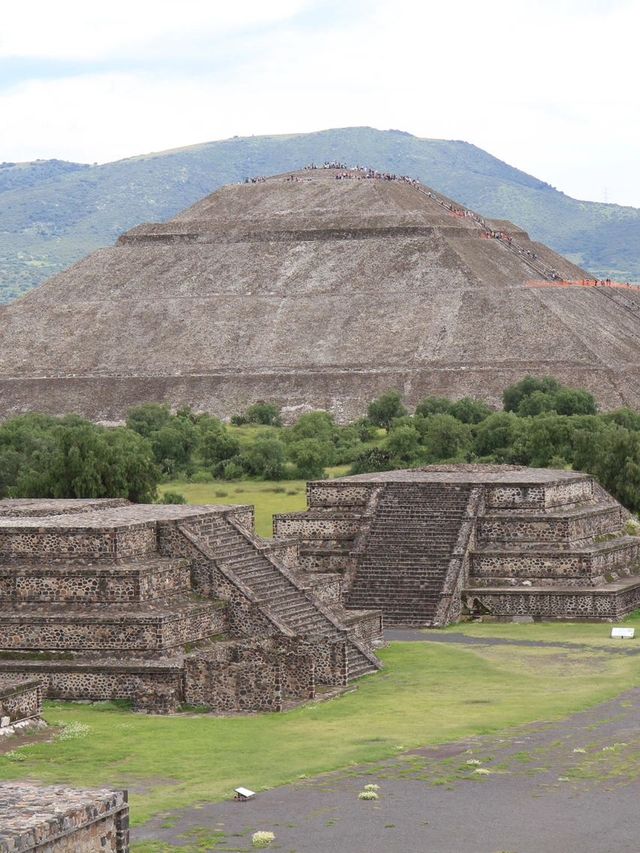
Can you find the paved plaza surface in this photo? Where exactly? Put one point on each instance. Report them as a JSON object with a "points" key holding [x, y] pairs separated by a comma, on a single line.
{"points": [[554, 787]]}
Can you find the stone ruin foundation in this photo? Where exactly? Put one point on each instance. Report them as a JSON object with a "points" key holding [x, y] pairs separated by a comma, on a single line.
{"points": [[427, 546], [20, 707], [168, 606], [55, 819]]}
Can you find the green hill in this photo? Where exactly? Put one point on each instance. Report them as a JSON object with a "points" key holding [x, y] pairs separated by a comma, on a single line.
{"points": [[52, 213]]}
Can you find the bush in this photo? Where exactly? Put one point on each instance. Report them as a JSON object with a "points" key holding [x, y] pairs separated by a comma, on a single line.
{"points": [[383, 411], [172, 498], [446, 438], [265, 458], [266, 414], [371, 460], [232, 469], [46, 457], [310, 457], [403, 443]]}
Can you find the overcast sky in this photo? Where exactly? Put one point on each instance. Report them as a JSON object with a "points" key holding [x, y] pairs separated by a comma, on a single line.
{"points": [[550, 86]]}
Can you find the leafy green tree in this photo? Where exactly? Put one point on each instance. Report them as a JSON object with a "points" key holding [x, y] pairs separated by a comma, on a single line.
{"points": [[498, 438], [148, 418], [172, 498], [469, 411], [433, 406], [383, 411], [216, 444], [73, 458], [403, 443], [266, 414], [446, 438], [514, 394], [372, 459], [310, 457], [265, 457]]}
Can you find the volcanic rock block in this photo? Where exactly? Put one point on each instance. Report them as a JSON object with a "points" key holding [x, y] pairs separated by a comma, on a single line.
{"points": [[315, 291]]}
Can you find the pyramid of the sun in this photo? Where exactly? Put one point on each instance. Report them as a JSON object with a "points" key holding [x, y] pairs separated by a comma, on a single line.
{"points": [[313, 291]]}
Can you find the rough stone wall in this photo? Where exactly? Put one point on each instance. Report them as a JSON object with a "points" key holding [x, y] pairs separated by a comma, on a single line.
{"points": [[150, 687], [124, 542], [20, 701], [133, 633], [233, 686], [553, 603], [62, 820], [506, 528]]}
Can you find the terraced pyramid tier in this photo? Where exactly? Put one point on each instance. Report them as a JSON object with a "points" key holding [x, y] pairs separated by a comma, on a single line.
{"points": [[315, 289], [105, 599], [425, 545]]}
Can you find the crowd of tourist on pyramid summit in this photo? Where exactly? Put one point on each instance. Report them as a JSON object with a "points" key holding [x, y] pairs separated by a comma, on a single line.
{"points": [[345, 172]]}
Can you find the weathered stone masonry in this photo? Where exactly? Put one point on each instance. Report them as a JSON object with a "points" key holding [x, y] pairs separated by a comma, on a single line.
{"points": [[426, 545], [168, 605], [62, 820]]}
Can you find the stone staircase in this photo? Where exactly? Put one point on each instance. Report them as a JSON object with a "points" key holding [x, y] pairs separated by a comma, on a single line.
{"points": [[405, 558], [295, 606]]}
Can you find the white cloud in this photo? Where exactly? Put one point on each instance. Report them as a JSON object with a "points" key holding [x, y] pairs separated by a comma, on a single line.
{"points": [[549, 87], [86, 30]]}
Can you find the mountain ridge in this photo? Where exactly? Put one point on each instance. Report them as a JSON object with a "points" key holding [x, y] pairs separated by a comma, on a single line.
{"points": [[53, 212]]}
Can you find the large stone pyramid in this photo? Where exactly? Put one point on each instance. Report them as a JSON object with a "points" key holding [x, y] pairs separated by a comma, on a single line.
{"points": [[320, 288]]}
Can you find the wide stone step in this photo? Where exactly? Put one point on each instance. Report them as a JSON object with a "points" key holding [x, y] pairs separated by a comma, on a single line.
{"points": [[92, 582], [156, 625]]}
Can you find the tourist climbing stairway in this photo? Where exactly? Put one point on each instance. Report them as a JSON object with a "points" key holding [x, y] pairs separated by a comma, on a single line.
{"points": [[404, 561], [237, 551]]}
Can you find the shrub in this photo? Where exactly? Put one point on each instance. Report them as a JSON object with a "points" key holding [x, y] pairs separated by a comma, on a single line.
{"points": [[368, 795], [373, 459], [403, 443], [310, 457], [265, 458], [172, 498], [267, 414], [383, 411]]}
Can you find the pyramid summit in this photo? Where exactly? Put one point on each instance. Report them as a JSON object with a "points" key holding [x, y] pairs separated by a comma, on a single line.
{"points": [[317, 289]]}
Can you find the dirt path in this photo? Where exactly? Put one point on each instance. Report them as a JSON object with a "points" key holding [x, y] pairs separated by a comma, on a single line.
{"points": [[554, 787]]}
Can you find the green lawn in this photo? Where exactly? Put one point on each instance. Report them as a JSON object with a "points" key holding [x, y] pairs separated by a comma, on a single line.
{"points": [[268, 497], [427, 693], [597, 634]]}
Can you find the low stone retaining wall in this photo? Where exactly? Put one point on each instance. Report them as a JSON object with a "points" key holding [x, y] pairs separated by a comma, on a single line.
{"points": [[545, 603], [62, 820]]}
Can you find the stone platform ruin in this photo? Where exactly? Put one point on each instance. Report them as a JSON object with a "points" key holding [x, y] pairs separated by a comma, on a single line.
{"points": [[168, 605], [427, 546], [55, 819]]}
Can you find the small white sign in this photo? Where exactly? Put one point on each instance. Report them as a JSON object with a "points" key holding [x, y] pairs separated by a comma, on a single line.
{"points": [[5, 721], [244, 793], [623, 633]]}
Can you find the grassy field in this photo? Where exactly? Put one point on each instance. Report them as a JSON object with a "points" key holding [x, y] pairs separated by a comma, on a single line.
{"points": [[428, 693], [596, 634], [268, 497]]}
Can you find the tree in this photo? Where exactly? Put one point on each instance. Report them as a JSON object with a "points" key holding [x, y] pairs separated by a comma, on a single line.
{"points": [[265, 457], [498, 437], [446, 438], [148, 418], [403, 443], [433, 406], [266, 414], [469, 411], [73, 458], [385, 409], [514, 394], [373, 459], [310, 457], [216, 443]]}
